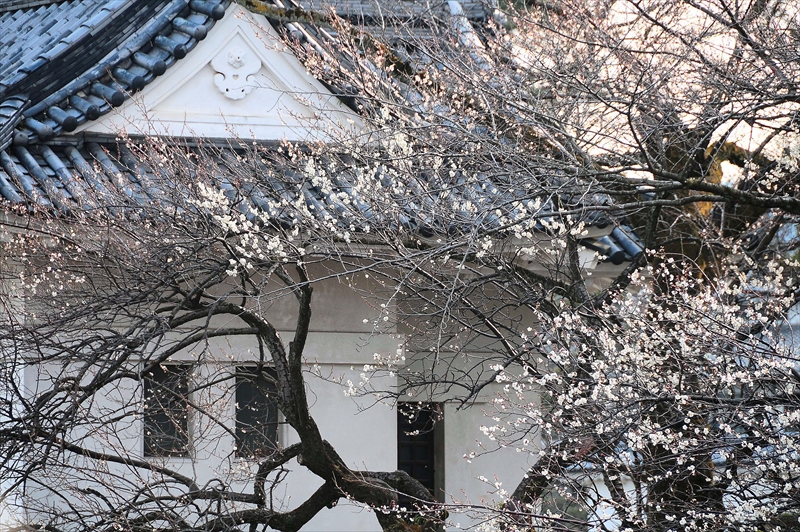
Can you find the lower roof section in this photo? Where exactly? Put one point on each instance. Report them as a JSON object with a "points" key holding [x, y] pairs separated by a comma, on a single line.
{"points": [[75, 179]]}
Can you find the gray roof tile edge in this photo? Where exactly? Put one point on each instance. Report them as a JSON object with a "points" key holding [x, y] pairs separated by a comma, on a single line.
{"points": [[11, 112], [140, 40], [14, 5]]}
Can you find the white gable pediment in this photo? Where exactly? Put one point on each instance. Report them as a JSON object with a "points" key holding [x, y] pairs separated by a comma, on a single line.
{"points": [[242, 82]]}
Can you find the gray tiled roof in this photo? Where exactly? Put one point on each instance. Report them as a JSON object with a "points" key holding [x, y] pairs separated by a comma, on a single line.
{"points": [[73, 60], [72, 178], [76, 59], [63, 63], [35, 35]]}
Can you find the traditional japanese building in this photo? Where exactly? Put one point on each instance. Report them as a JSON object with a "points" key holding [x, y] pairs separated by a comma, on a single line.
{"points": [[79, 78]]}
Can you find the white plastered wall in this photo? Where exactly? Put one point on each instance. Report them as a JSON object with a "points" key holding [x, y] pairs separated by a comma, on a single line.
{"points": [[363, 431]]}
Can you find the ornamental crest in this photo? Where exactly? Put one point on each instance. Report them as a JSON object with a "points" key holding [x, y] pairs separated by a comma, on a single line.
{"points": [[235, 69]]}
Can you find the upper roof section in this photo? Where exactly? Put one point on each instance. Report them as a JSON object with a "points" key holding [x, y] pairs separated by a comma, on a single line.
{"points": [[241, 82], [33, 38], [66, 63], [63, 63], [368, 11]]}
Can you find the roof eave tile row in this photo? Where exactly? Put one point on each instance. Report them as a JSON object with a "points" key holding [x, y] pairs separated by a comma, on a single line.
{"points": [[74, 179]]}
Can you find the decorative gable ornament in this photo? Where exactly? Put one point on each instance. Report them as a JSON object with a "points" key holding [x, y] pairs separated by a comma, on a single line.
{"points": [[240, 82], [235, 72]]}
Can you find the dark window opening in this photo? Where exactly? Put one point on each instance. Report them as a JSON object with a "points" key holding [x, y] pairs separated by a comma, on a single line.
{"points": [[256, 412], [166, 411], [420, 446], [569, 502]]}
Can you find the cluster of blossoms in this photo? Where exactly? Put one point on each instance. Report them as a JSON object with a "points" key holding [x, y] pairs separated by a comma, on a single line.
{"points": [[676, 397]]}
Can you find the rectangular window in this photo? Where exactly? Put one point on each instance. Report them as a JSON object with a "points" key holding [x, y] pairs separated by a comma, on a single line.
{"points": [[166, 411], [256, 412]]}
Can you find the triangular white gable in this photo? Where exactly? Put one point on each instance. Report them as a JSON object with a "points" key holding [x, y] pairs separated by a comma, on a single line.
{"points": [[241, 81]]}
